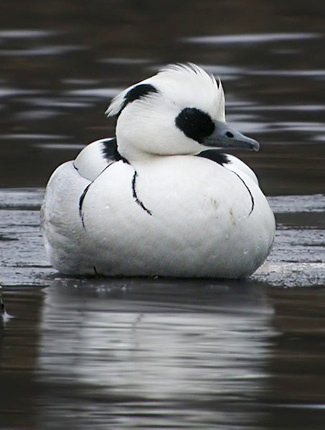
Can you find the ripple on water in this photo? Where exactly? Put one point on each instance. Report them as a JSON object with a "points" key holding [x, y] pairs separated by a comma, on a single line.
{"points": [[252, 38], [42, 51], [26, 34]]}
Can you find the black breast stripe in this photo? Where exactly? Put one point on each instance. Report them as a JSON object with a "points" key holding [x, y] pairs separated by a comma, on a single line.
{"points": [[139, 202], [249, 191], [216, 156], [137, 92], [81, 200]]}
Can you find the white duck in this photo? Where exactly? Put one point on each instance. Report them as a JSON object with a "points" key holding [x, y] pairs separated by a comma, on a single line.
{"points": [[160, 198]]}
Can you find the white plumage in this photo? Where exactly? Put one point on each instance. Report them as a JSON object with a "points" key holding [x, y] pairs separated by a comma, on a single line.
{"points": [[161, 198]]}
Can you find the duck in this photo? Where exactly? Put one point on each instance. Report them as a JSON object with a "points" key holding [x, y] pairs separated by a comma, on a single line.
{"points": [[2, 304], [163, 197]]}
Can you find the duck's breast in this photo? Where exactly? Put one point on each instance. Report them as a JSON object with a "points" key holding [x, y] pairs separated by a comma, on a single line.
{"points": [[183, 213]]}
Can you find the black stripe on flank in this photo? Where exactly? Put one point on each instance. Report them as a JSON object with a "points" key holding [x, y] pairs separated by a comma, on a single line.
{"points": [[85, 191], [139, 202], [251, 195], [81, 200]]}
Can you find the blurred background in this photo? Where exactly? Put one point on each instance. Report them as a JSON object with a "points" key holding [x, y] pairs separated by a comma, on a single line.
{"points": [[61, 62], [151, 353]]}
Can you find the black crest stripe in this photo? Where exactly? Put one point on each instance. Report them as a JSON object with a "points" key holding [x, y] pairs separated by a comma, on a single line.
{"points": [[138, 92]]}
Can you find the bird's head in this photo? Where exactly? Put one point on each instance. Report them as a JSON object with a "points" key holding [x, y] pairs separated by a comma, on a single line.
{"points": [[178, 111]]}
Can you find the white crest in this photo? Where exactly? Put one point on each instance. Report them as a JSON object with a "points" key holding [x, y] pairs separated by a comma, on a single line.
{"points": [[186, 85]]}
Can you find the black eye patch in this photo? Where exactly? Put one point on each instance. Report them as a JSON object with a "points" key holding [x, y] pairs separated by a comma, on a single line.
{"points": [[195, 124], [136, 93]]}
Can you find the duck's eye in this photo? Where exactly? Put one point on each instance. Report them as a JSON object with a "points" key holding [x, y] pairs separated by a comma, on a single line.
{"points": [[229, 134], [195, 124]]}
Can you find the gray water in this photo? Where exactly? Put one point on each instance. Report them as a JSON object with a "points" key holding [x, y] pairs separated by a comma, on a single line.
{"points": [[155, 353]]}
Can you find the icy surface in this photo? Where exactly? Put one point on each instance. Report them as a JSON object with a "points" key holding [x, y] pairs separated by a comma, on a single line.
{"points": [[297, 257]]}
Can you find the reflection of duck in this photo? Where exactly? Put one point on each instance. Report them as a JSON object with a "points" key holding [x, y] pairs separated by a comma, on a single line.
{"points": [[4, 316], [156, 199], [2, 305], [162, 349]]}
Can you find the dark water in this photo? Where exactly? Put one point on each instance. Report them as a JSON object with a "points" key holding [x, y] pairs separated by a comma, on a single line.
{"points": [[124, 354]]}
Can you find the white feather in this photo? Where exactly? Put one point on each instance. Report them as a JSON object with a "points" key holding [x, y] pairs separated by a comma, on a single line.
{"points": [[160, 209]]}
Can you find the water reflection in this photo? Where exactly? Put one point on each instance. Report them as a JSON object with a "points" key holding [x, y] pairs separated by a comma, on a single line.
{"points": [[161, 351], [161, 354], [19, 340], [298, 349]]}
